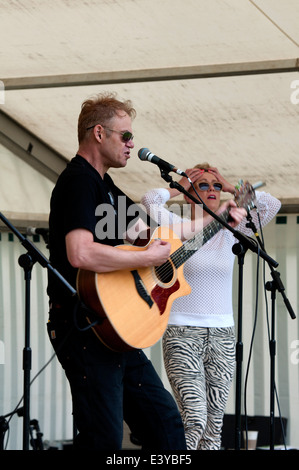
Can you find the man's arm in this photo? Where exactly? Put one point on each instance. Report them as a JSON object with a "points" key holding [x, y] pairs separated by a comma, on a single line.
{"points": [[84, 253]]}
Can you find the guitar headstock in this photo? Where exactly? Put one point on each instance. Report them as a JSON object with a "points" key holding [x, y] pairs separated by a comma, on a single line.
{"points": [[245, 195]]}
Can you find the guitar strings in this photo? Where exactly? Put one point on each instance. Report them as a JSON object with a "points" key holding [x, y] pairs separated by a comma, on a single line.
{"points": [[184, 252]]}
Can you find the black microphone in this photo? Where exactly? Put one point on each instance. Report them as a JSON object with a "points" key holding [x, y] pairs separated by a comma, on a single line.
{"points": [[44, 232], [37, 231], [145, 154]]}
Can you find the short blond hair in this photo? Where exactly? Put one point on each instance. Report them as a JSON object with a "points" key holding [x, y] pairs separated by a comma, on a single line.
{"points": [[203, 166], [100, 109]]}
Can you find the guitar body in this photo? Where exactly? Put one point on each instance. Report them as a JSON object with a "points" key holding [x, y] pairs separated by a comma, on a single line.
{"points": [[133, 306]]}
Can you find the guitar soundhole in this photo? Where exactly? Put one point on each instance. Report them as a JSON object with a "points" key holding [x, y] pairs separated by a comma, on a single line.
{"points": [[164, 272]]}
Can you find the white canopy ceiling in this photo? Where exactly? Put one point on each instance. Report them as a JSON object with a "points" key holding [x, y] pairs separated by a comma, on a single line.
{"points": [[211, 80]]}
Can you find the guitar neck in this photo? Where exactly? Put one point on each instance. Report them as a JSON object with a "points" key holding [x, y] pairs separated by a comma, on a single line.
{"points": [[182, 254]]}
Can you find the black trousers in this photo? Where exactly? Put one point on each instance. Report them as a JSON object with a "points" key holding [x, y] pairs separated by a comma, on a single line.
{"points": [[108, 387]]}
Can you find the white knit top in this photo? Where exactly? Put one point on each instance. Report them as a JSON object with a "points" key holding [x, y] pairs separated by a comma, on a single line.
{"points": [[209, 271]]}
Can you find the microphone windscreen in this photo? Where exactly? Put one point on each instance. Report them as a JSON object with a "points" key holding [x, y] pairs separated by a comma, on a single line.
{"points": [[142, 153]]}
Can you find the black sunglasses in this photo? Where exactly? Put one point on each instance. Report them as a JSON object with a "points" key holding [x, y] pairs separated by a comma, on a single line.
{"points": [[205, 186], [125, 136]]}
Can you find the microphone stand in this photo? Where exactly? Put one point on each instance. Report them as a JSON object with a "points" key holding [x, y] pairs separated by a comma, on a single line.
{"points": [[27, 261], [275, 285], [239, 249]]}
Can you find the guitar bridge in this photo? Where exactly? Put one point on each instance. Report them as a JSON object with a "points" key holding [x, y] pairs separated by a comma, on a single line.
{"points": [[141, 288]]}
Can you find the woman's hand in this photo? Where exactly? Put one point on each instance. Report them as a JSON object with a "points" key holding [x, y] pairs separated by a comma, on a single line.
{"points": [[193, 174], [226, 186]]}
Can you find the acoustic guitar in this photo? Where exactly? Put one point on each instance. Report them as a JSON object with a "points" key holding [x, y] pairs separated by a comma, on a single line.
{"points": [[132, 306]]}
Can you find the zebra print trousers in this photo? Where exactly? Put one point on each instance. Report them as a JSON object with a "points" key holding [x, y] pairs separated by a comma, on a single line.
{"points": [[200, 364]]}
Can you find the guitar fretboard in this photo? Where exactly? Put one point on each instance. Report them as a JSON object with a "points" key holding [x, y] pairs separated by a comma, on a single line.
{"points": [[182, 254]]}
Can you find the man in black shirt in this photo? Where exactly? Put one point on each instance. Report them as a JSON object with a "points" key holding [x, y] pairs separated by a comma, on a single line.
{"points": [[107, 386]]}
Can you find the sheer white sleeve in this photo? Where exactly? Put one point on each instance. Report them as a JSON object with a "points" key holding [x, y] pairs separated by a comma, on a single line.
{"points": [[154, 202]]}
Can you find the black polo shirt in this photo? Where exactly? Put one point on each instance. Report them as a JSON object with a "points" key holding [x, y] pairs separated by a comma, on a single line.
{"points": [[82, 199]]}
